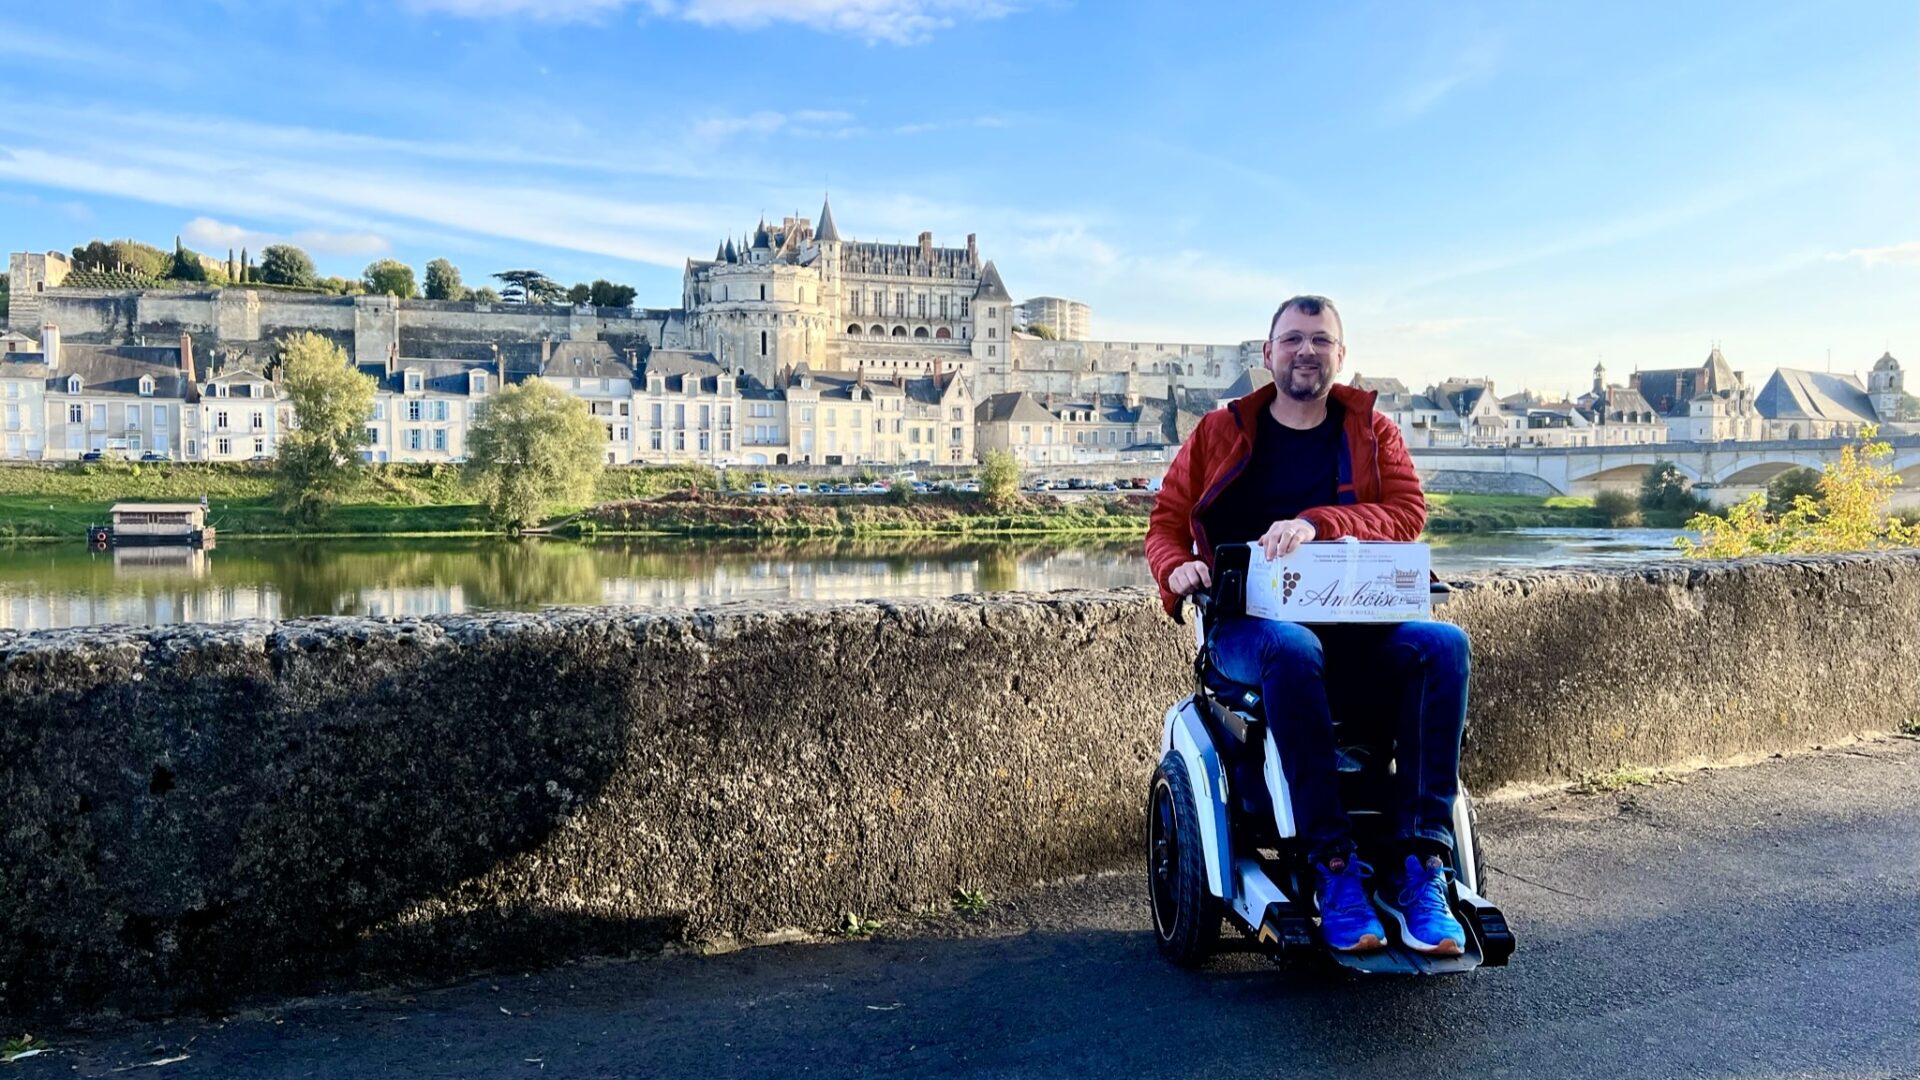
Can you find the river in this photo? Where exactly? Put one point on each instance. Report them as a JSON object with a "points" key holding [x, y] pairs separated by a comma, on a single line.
{"points": [[65, 584]]}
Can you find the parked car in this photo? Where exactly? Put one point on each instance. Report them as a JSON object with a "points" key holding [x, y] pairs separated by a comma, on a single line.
{"points": [[803, 488], [842, 489], [1076, 483], [921, 487], [1138, 483], [154, 455], [860, 487], [783, 489], [760, 488], [972, 486], [94, 455], [1109, 487], [1040, 485]]}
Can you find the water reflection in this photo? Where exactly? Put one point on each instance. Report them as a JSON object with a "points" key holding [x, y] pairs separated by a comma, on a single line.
{"points": [[68, 585], [54, 585]]}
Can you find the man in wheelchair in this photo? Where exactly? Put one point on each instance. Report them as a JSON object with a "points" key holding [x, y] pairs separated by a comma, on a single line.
{"points": [[1301, 460]]}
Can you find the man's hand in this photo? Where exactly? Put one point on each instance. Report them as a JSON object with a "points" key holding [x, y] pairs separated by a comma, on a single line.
{"points": [[1190, 577], [1285, 537]]}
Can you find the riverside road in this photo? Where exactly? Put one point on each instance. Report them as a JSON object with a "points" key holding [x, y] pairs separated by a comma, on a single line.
{"points": [[1757, 921]]}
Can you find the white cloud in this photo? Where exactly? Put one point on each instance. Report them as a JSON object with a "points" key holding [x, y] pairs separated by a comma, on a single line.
{"points": [[896, 22], [1459, 63], [209, 233], [1907, 254]]}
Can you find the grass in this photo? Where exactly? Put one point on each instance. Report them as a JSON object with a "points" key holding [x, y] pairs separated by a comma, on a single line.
{"points": [[969, 901], [1616, 780], [1911, 727], [1495, 513], [431, 500], [856, 925], [25, 1045]]}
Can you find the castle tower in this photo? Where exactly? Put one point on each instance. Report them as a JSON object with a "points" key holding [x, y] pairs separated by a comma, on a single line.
{"points": [[1886, 387], [30, 273]]}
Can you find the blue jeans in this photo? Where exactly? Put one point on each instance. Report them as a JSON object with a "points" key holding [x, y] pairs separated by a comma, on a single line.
{"points": [[1408, 678]]}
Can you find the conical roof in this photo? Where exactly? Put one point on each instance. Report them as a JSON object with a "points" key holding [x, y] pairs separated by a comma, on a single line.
{"points": [[991, 287], [827, 229], [728, 253], [1719, 373]]}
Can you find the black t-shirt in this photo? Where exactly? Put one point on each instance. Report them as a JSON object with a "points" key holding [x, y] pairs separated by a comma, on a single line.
{"points": [[1291, 470]]}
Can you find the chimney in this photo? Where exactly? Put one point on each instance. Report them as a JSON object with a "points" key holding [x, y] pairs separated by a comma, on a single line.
{"points": [[936, 372], [499, 367], [546, 351], [186, 358], [973, 252], [50, 345], [926, 246], [393, 357]]}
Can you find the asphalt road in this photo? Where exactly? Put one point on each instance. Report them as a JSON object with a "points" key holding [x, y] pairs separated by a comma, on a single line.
{"points": [[1754, 922]]}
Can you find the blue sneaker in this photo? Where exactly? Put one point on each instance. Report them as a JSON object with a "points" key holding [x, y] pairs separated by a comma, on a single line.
{"points": [[1418, 904], [1347, 921]]}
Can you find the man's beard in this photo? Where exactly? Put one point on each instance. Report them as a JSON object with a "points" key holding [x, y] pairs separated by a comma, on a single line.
{"points": [[1321, 379]]}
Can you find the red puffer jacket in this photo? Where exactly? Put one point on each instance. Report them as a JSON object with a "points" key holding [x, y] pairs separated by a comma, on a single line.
{"points": [[1380, 496]]}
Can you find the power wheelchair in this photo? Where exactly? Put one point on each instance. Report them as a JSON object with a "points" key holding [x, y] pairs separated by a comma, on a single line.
{"points": [[1221, 838]]}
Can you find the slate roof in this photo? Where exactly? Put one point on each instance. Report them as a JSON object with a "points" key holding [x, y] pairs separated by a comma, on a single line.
{"points": [[1386, 387], [116, 369], [991, 287], [1793, 394], [436, 376], [679, 365], [1021, 406], [827, 230]]}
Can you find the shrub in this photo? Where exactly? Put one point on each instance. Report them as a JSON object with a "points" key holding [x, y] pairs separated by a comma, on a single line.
{"points": [[1849, 515], [1619, 509]]}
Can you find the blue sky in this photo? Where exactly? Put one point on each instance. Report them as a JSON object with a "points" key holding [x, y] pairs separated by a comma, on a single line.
{"points": [[1502, 190]]}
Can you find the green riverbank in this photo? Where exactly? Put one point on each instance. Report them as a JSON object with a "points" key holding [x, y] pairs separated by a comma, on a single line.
{"points": [[430, 500]]}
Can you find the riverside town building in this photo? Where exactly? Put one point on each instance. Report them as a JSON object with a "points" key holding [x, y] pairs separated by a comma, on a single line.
{"points": [[792, 345]]}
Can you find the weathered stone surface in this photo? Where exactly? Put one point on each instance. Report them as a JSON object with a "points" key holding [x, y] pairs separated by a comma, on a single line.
{"points": [[188, 814]]}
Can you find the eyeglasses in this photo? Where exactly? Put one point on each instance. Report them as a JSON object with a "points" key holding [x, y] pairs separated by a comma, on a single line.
{"points": [[1292, 340]]}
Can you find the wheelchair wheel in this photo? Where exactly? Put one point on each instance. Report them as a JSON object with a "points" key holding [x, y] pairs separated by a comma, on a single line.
{"points": [[1186, 917]]}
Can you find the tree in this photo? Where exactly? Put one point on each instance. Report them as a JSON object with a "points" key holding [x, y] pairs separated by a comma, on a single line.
{"points": [[389, 277], [284, 264], [484, 295], [320, 458], [604, 293], [1850, 514], [530, 287], [579, 294], [1665, 497], [340, 286], [1000, 480], [130, 255], [535, 446], [443, 281], [186, 265], [1783, 490], [1043, 331]]}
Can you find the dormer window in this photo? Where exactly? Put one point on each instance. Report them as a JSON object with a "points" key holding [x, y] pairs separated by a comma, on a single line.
{"points": [[479, 382], [413, 382], [73, 384], [146, 386]]}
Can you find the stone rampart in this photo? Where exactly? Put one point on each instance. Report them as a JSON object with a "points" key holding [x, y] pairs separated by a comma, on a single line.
{"points": [[192, 813]]}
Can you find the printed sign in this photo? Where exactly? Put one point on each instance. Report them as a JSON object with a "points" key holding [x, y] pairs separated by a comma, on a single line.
{"points": [[1341, 581]]}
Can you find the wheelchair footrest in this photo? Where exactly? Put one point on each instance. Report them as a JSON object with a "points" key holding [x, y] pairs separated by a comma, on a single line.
{"points": [[1485, 922], [1287, 929]]}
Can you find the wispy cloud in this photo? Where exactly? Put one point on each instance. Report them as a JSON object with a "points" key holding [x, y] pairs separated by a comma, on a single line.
{"points": [[1455, 62], [206, 232], [1907, 254], [893, 22]]}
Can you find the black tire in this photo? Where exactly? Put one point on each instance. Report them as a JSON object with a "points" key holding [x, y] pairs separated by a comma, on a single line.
{"points": [[1186, 917]]}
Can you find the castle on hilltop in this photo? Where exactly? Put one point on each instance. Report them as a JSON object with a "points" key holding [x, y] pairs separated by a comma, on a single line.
{"points": [[793, 344]]}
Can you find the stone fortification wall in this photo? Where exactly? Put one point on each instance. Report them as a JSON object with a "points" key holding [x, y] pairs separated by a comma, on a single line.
{"points": [[1464, 482], [248, 321], [194, 813]]}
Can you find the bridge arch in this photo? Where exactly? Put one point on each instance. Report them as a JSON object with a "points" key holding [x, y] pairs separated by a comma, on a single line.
{"points": [[1758, 469]]}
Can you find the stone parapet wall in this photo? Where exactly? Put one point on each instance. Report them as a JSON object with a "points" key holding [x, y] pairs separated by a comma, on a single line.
{"points": [[188, 814]]}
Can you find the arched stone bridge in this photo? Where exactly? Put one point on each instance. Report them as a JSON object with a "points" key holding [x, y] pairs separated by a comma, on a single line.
{"points": [[1587, 469]]}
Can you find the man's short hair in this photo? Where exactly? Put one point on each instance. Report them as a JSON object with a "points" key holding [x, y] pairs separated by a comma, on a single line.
{"points": [[1308, 305]]}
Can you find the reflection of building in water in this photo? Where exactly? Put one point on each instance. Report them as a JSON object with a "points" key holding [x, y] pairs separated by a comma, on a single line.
{"points": [[866, 579], [150, 586], [174, 561], [399, 600]]}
